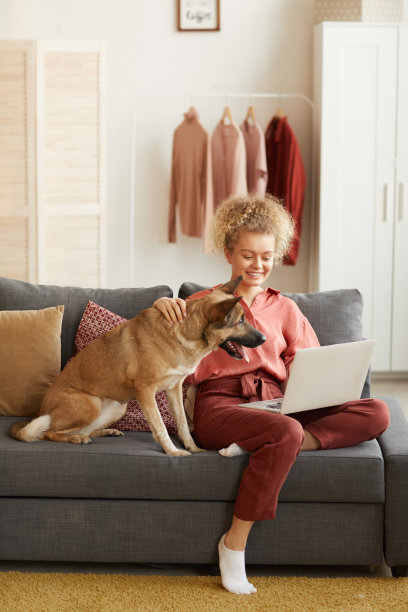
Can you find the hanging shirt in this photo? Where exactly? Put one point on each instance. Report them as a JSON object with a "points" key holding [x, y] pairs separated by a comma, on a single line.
{"points": [[285, 327], [256, 169], [191, 178], [229, 162], [286, 174]]}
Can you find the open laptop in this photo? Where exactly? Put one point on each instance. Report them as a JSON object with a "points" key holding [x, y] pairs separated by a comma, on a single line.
{"points": [[323, 376]]}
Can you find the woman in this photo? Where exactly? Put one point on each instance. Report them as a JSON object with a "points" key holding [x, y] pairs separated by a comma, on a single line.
{"points": [[254, 235]]}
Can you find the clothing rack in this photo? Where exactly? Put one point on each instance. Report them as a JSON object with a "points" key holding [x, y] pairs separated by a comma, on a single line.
{"points": [[193, 96]]}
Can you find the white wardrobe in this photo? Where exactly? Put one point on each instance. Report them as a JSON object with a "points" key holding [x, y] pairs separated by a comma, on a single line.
{"points": [[361, 95], [52, 161]]}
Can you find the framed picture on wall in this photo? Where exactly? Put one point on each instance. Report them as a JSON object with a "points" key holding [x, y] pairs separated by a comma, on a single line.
{"points": [[198, 15]]}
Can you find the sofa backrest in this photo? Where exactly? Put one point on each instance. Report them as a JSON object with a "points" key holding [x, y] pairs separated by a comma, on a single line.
{"points": [[336, 316], [128, 302]]}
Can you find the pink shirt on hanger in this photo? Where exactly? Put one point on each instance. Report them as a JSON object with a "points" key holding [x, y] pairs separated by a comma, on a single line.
{"points": [[191, 179], [257, 170], [229, 162]]}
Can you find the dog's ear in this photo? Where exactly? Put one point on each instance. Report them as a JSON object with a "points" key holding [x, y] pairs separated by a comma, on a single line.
{"points": [[220, 310], [231, 285]]}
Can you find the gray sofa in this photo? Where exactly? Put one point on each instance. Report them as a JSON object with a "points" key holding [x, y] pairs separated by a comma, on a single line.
{"points": [[124, 500]]}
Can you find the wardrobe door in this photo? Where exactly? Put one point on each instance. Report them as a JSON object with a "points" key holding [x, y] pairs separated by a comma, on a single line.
{"points": [[70, 145], [399, 360], [357, 150], [17, 180]]}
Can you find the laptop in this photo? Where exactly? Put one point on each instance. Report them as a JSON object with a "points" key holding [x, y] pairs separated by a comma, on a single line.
{"points": [[323, 376]]}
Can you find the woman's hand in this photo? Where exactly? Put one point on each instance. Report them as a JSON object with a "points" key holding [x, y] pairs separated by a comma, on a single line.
{"points": [[173, 309]]}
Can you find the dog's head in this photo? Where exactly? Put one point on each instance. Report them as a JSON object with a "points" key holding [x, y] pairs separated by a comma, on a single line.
{"points": [[227, 326]]}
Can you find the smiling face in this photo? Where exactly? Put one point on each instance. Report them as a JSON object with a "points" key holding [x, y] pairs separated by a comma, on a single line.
{"points": [[252, 258]]}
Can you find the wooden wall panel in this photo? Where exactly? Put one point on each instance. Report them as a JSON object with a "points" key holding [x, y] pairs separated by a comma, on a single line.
{"points": [[70, 150], [13, 247], [71, 127], [52, 209], [71, 250], [17, 197]]}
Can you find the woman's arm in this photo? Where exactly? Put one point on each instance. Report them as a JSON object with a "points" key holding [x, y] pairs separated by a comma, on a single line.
{"points": [[285, 382]]}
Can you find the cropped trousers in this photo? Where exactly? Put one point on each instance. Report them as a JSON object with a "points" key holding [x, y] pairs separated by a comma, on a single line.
{"points": [[274, 440]]}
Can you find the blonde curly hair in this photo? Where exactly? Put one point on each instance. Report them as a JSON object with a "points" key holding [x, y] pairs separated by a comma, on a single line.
{"points": [[265, 215]]}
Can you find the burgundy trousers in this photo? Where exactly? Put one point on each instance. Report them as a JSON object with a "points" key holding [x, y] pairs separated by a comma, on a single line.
{"points": [[274, 440]]}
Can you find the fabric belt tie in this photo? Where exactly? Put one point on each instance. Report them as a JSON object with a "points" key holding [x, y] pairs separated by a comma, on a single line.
{"points": [[254, 385]]}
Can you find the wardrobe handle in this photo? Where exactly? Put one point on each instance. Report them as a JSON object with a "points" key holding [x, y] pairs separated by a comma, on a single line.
{"points": [[400, 201], [385, 203]]}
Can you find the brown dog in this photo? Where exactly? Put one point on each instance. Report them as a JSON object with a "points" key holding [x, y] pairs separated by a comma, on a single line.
{"points": [[135, 360]]}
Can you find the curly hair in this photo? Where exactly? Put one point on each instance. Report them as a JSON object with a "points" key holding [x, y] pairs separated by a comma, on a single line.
{"points": [[265, 215]]}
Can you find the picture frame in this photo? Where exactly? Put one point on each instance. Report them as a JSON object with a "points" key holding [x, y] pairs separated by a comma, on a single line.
{"points": [[198, 15]]}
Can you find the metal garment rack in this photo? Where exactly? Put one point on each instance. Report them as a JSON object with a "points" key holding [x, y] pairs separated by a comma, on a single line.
{"points": [[192, 97]]}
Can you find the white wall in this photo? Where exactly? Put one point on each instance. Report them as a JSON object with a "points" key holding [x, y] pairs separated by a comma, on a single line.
{"points": [[263, 45]]}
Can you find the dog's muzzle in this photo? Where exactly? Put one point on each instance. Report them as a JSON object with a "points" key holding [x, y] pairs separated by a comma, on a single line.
{"points": [[235, 346]]}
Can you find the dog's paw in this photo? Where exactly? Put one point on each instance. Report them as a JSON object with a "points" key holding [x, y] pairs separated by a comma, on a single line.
{"points": [[113, 432], [80, 439], [196, 449], [179, 452], [233, 450]]}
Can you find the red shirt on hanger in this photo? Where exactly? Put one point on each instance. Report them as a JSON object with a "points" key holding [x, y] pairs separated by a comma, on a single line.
{"points": [[286, 174]]}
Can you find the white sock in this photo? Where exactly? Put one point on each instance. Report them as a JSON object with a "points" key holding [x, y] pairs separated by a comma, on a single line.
{"points": [[232, 450], [232, 567]]}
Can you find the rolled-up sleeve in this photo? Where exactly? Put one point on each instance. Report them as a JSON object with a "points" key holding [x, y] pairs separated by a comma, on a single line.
{"points": [[304, 338]]}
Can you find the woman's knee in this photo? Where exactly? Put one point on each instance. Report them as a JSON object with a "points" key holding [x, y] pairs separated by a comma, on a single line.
{"points": [[377, 416], [381, 415], [288, 431]]}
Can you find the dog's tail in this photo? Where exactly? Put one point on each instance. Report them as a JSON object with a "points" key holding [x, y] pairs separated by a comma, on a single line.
{"points": [[29, 431]]}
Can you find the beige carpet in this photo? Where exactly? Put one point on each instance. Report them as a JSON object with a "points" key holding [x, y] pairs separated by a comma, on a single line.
{"points": [[35, 592]]}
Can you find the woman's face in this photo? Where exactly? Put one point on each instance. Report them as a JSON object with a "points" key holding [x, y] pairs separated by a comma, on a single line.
{"points": [[252, 257]]}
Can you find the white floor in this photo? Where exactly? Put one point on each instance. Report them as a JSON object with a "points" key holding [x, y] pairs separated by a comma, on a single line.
{"points": [[397, 388], [379, 387]]}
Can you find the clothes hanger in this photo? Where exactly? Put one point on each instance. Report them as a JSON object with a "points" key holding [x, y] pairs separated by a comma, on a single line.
{"points": [[227, 116], [279, 114], [191, 113], [250, 116]]}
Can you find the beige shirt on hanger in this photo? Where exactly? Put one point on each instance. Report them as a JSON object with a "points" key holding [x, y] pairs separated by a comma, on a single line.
{"points": [[256, 171], [229, 162], [191, 179]]}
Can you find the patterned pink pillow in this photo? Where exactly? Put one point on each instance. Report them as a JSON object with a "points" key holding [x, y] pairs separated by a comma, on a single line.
{"points": [[95, 322]]}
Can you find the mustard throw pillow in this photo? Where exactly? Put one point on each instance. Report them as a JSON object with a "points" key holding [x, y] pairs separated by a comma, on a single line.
{"points": [[30, 357]]}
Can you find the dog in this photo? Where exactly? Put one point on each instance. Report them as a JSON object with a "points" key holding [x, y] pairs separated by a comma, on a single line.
{"points": [[135, 360]]}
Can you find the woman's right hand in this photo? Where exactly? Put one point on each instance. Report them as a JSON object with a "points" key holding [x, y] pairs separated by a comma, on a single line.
{"points": [[173, 309]]}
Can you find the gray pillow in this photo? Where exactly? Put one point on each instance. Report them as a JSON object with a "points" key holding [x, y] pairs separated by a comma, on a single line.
{"points": [[128, 302], [336, 316]]}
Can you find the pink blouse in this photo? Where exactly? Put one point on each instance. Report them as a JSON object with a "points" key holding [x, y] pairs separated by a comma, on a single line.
{"points": [[257, 170], [228, 162], [285, 327]]}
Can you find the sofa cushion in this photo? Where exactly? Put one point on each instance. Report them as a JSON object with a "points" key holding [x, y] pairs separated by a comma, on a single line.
{"points": [[336, 316], [19, 295], [30, 357], [135, 467], [95, 322]]}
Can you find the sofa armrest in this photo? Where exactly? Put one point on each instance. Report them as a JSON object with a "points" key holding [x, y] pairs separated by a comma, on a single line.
{"points": [[394, 446]]}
